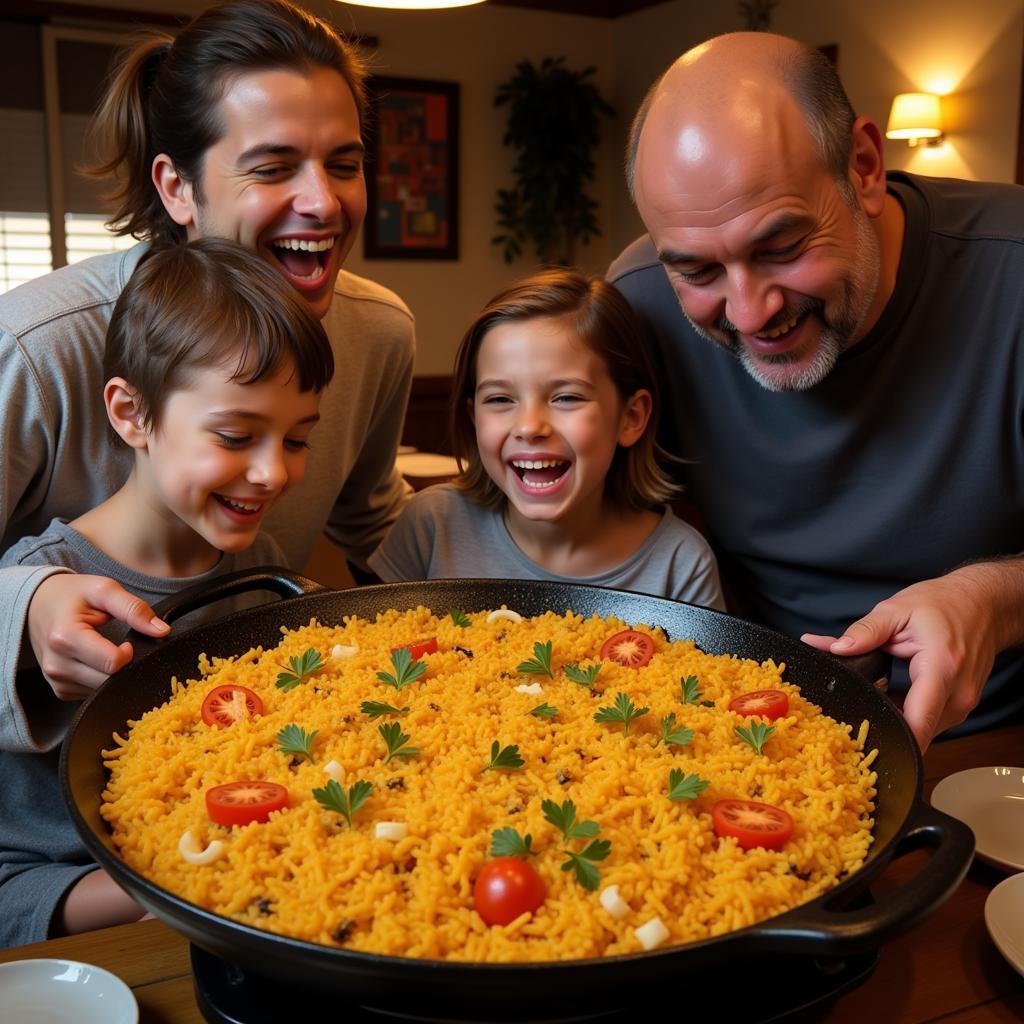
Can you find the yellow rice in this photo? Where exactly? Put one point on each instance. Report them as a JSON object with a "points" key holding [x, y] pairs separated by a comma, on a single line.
{"points": [[306, 873]]}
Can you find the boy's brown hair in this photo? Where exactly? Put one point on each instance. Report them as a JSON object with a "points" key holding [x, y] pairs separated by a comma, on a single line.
{"points": [[600, 317], [210, 303]]}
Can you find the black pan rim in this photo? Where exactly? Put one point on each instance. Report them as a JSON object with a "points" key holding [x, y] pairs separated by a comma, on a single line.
{"points": [[166, 901]]}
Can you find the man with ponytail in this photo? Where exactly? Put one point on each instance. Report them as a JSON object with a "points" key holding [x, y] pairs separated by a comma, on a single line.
{"points": [[245, 126]]}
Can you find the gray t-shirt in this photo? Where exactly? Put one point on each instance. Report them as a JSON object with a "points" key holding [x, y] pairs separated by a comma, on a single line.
{"points": [[41, 856], [443, 534], [36, 720]]}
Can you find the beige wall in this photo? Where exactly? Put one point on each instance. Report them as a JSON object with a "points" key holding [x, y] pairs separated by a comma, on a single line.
{"points": [[478, 47], [971, 50], [885, 46]]}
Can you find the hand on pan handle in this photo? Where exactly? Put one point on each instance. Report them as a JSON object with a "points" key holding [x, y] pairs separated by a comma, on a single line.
{"points": [[63, 617], [950, 629]]}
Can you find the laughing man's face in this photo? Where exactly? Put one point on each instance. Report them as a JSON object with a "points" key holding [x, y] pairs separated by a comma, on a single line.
{"points": [[286, 177]]}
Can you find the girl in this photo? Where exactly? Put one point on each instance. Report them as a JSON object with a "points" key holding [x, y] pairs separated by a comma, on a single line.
{"points": [[554, 429]]}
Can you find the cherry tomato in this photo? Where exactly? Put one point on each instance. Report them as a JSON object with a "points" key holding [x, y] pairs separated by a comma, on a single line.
{"points": [[629, 648], [752, 824], [770, 704], [238, 803], [417, 648], [224, 705], [505, 888]]}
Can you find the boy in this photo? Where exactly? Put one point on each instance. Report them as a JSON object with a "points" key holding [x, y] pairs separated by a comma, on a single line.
{"points": [[215, 367]]}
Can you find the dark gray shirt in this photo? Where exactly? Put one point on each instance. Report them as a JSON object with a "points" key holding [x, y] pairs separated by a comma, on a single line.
{"points": [[906, 461]]}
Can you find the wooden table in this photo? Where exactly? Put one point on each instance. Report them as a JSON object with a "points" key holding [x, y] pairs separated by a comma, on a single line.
{"points": [[946, 968]]}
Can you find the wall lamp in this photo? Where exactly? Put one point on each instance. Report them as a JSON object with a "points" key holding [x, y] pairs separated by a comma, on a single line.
{"points": [[916, 117]]}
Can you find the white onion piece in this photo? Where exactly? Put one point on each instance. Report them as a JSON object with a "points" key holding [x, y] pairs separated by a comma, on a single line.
{"points": [[532, 688], [504, 613], [614, 903], [335, 771], [341, 652], [393, 830], [189, 848], [652, 934]]}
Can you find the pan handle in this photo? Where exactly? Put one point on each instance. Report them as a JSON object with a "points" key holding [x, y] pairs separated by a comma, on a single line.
{"points": [[874, 666], [273, 578], [824, 930]]}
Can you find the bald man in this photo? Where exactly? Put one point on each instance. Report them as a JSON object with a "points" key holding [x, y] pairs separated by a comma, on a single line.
{"points": [[844, 354]]}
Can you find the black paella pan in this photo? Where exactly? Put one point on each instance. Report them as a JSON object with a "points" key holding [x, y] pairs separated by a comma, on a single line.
{"points": [[837, 924]]}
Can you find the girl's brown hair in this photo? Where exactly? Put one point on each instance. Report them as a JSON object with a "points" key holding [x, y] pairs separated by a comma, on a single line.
{"points": [[210, 303], [600, 317], [163, 97]]}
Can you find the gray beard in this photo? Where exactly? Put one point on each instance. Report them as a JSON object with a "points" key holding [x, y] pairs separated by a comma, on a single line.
{"points": [[838, 332]]}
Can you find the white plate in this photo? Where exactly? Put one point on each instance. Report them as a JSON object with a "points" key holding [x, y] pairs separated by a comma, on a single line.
{"points": [[991, 802], [1004, 916], [64, 992]]}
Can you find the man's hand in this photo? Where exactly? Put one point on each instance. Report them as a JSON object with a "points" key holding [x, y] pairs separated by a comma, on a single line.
{"points": [[63, 617], [949, 629]]}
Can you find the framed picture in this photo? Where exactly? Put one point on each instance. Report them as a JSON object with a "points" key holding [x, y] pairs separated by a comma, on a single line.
{"points": [[412, 168]]}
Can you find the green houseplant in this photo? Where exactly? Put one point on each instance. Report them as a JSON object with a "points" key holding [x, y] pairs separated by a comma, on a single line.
{"points": [[554, 116]]}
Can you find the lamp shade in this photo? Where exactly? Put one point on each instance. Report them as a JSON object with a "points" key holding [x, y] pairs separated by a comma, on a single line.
{"points": [[915, 115], [413, 5]]}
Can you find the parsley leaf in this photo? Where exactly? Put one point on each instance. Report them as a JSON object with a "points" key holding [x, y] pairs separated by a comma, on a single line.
{"points": [[507, 842], [333, 798], [294, 740], [396, 741], [540, 663], [671, 736], [690, 690], [624, 712], [376, 710], [406, 670], [564, 819], [460, 618], [583, 676], [301, 668], [543, 711], [586, 873], [685, 787], [504, 757], [756, 735]]}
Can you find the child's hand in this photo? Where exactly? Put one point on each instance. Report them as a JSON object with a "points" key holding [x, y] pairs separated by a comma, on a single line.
{"points": [[63, 617]]}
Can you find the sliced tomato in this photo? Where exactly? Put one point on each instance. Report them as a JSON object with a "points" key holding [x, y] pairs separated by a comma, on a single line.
{"points": [[752, 824], [229, 703], [770, 704], [630, 648], [238, 803], [505, 888], [417, 648]]}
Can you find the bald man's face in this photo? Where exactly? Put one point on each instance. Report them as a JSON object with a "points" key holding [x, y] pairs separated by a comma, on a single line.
{"points": [[770, 256]]}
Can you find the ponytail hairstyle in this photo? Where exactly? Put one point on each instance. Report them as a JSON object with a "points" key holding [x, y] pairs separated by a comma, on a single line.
{"points": [[164, 95]]}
